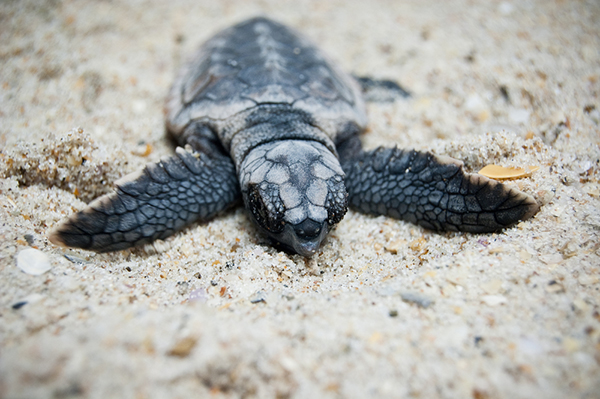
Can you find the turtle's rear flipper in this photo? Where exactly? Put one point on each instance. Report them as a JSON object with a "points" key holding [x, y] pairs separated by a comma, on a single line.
{"points": [[153, 203], [431, 191], [380, 90]]}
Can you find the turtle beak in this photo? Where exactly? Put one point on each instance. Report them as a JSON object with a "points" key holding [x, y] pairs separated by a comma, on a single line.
{"points": [[304, 238], [308, 236], [307, 248]]}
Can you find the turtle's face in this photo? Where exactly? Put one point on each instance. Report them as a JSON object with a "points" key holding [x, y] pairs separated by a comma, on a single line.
{"points": [[295, 192]]}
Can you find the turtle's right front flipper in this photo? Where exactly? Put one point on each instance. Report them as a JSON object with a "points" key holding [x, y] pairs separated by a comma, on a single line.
{"points": [[428, 190], [153, 203]]}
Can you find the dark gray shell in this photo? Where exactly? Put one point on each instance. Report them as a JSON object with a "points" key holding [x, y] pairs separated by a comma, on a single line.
{"points": [[261, 62]]}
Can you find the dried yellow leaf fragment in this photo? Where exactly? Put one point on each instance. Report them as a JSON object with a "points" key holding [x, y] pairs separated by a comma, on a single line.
{"points": [[501, 173]]}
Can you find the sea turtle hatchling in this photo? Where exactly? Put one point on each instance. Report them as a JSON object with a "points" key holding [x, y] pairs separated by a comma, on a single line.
{"points": [[262, 115]]}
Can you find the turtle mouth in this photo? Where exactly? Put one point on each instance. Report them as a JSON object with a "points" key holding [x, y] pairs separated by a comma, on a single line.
{"points": [[304, 238]]}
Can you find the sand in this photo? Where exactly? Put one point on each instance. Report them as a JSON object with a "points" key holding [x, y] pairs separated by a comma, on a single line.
{"points": [[385, 309]]}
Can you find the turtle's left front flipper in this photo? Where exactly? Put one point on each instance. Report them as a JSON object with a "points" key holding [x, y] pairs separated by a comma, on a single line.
{"points": [[154, 203], [431, 191], [380, 90]]}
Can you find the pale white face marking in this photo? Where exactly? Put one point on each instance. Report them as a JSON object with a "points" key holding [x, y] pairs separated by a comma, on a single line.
{"points": [[278, 174], [296, 215], [321, 171], [317, 212], [258, 175], [333, 164], [256, 162], [317, 192], [290, 196]]}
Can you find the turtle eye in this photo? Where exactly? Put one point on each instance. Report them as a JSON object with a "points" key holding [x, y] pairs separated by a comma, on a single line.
{"points": [[266, 212]]}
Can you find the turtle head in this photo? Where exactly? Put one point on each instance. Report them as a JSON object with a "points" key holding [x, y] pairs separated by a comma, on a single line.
{"points": [[295, 192]]}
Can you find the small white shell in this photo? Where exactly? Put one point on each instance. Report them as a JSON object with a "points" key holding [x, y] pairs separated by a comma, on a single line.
{"points": [[33, 261]]}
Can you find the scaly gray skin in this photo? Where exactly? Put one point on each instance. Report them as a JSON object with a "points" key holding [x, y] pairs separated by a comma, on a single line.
{"points": [[265, 117]]}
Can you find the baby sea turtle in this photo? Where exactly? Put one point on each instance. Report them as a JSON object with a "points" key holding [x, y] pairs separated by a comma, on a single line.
{"points": [[262, 115]]}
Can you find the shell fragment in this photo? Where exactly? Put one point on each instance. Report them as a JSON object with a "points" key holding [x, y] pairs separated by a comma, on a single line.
{"points": [[502, 173]]}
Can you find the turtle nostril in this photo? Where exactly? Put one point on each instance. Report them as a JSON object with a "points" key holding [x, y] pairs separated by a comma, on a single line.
{"points": [[308, 229]]}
